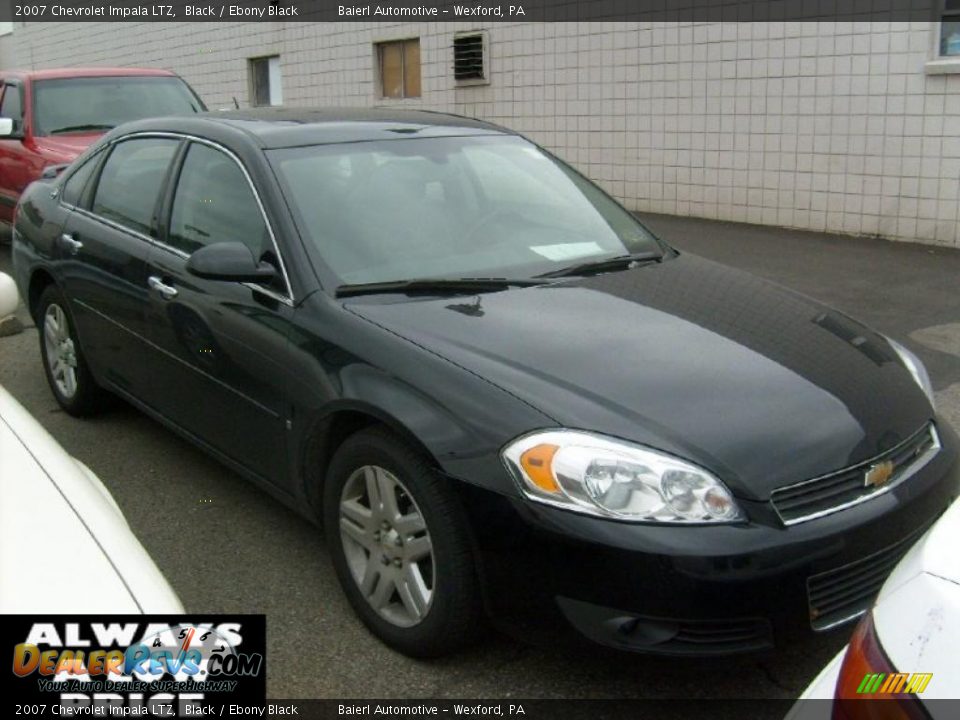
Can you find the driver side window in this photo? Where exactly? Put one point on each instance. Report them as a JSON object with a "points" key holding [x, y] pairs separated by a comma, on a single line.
{"points": [[214, 204]]}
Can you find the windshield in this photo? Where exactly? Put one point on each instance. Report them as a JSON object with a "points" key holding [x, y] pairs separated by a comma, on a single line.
{"points": [[95, 104], [480, 206]]}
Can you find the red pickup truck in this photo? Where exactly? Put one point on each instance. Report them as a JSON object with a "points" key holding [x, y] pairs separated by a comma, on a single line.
{"points": [[48, 117]]}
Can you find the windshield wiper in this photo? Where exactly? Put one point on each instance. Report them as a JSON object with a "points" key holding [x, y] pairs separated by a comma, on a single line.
{"points": [[81, 128], [436, 285], [620, 262]]}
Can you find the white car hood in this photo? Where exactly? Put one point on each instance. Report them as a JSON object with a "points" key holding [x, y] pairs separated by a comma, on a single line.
{"points": [[935, 554], [64, 544], [917, 615], [919, 628], [917, 618]]}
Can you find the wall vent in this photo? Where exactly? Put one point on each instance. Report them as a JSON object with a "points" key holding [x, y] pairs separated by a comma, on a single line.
{"points": [[469, 56]]}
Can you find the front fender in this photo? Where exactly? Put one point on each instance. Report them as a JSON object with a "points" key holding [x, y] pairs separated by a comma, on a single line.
{"points": [[459, 418]]}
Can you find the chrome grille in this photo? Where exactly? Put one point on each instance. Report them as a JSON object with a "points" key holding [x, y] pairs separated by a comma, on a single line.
{"points": [[846, 592], [823, 495]]}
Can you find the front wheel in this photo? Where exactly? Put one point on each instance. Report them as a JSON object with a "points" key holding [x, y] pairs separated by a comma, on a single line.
{"points": [[399, 543], [66, 369]]}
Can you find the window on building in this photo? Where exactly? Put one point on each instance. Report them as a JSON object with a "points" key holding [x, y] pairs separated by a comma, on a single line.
{"points": [[399, 67], [950, 28], [266, 86], [469, 58], [130, 182]]}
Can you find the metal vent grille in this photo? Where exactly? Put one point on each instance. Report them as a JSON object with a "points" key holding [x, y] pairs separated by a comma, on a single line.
{"points": [[722, 636], [814, 498], [468, 57], [844, 593]]}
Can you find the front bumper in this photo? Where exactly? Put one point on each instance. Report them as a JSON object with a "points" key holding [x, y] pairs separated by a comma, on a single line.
{"points": [[695, 590]]}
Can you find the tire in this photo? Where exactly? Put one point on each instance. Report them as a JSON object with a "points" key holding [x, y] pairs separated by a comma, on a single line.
{"points": [[66, 368], [422, 605]]}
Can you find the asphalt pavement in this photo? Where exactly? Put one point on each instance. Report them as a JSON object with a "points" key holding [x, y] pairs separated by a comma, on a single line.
{"points": [[227, 547]]}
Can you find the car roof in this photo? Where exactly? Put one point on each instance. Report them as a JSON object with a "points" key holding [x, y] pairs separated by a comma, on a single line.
{"points": [[293, 127], [52, 73]]}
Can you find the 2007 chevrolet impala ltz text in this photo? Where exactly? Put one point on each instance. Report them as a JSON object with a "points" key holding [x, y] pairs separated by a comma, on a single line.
{"points": [[496, 391]]}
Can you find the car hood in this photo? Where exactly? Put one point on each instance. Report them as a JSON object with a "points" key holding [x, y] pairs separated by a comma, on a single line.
{"points": [[65, 148], [759, 384], [934, 554], [917, 615]]}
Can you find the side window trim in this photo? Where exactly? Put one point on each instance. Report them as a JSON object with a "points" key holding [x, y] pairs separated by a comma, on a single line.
{"points": [[166, 211], [165, 199], [136, 234]]}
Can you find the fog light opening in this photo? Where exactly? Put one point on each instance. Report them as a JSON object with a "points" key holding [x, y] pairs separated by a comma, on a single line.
{"points": [[644, 632]]}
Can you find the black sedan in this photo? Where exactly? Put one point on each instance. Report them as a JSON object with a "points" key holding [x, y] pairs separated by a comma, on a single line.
{"points": [[496, 390]]}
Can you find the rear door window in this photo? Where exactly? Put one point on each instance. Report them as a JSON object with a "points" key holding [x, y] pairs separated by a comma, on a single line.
{"points": [[130, 182]]}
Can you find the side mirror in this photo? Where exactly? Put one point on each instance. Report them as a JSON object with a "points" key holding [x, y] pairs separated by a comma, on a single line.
{"points": [[230, 261], [7, 128]]}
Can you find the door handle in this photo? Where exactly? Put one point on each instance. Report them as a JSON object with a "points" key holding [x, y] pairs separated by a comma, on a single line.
{"points": [[167, 292], [70, 244]]}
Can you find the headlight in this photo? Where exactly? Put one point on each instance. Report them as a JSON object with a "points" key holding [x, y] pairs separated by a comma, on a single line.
{"points": [[596, 475], [916, 368]]}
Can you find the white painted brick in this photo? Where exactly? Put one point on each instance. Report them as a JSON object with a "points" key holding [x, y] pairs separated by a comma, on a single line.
{"points": [[813, 125]]}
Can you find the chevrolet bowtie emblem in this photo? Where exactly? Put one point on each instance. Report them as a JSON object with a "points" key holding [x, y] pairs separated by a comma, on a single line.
{"points": [[878, 475]]}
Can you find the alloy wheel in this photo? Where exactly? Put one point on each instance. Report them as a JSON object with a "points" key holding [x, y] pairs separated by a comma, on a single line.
{"points": [[61, 352], [387, 545]]}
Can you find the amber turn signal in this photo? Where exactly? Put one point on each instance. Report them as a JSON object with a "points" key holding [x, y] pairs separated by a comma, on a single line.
{"points": [[537, 462]]}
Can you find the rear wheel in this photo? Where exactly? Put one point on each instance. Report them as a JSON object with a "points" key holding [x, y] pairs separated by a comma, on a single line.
{"points": [[399, 544], [67, 373]]}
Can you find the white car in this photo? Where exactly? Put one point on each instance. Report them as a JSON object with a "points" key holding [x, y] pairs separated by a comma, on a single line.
{"points": [[65, 547], [910, 640]]}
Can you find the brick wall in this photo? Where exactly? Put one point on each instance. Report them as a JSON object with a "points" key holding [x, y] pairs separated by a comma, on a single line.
{"points": [[822, 126]]}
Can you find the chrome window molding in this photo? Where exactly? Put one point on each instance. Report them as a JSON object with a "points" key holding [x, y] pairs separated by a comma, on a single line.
{"points": [[113, 224], [907, 472], [286, 299]]}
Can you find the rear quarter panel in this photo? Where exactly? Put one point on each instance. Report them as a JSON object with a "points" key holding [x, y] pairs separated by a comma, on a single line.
{"points": [[39, 220]]}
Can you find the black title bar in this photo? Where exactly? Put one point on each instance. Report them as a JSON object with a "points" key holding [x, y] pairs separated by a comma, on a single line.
{"points": [[485, 11]]}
